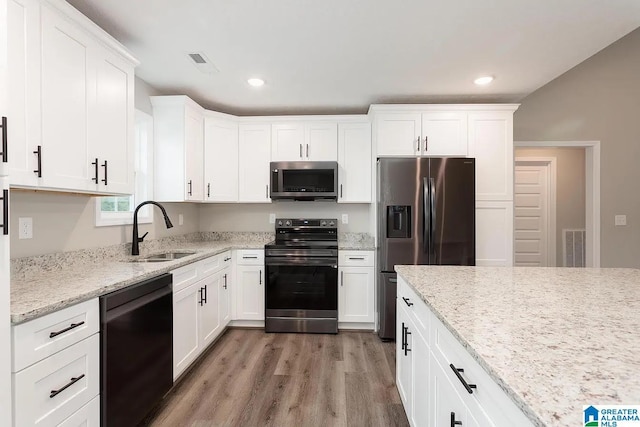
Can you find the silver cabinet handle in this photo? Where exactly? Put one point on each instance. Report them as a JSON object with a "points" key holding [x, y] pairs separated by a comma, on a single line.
{"points": [[418, 149]]}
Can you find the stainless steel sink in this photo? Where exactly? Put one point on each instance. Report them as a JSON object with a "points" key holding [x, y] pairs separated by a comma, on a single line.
{"points": [[167, 256]]}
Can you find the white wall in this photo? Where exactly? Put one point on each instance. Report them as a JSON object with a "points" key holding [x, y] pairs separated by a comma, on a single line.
{"points": [[255, 217]]}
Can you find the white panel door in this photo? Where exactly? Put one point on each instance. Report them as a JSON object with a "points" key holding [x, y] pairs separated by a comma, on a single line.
{"points": [[250, 292], [225, 297], [446, 400], [531, 210], [5, 331], [354, 163], [220, 160], [444, 134], [194, 152], [23, 88], [253, 167], [356, 295], [321, 141], [66, 99], [421, 392], [398, 134], [404, 363], [287, 142], [494, 234], [185, 328], [112, 125], [491, 143]]}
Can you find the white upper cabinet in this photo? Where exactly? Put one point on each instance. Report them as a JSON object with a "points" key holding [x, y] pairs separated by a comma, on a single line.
{"points": [[254, 141], [301, 141], [71, 99], [220, 160], [491, 143], [178, 129], [421, 133], [354, 162]]}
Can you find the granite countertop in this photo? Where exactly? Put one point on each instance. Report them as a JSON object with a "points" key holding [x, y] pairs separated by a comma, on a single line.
{"points": [[44, 284], [554, 339]]}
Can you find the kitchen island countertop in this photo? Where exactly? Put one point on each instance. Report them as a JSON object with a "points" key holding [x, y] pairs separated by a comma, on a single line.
{"points": [[554, 339]]}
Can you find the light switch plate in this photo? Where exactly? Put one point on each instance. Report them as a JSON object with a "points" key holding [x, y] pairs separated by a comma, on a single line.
{"points": [[620, 220], [272, 218], [25, 228], [345, 218]]}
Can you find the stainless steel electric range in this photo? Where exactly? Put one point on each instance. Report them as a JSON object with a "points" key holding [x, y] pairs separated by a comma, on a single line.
{"points": [[302, 277]]}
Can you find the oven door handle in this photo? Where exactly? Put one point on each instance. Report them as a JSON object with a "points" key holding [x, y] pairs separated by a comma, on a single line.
{"points": [[305, 262]]}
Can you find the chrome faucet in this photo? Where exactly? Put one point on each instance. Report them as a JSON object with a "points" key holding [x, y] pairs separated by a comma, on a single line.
{"points": [[135, 248]]}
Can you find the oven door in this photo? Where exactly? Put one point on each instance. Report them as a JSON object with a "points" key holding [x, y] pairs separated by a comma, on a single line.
{"points": [[303, 287]]}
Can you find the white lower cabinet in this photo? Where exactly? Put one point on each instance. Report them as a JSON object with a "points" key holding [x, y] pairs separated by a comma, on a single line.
{"points": [[208, 309], [87, 416], [185, 328], [249, 285], [224, 301], [356, 289], [431, 392]]}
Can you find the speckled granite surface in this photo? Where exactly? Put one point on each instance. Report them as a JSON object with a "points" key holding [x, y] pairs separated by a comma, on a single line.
{"points": [[356, 241], [553, 338], [43, 284]]}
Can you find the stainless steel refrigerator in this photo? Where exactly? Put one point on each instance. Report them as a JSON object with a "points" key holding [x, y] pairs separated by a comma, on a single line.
{"points": [[426, 215]]}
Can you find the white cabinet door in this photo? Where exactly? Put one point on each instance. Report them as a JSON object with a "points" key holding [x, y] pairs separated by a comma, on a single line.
{"points": [[87, 416], [250, 284], [398, 134], [321, 141], [404, 374], [421, 414], [5, 331], [447, 403], [287, 142], [225, 298], [220, 160], [491, 143], [254, 151], [356, 295], [208, 311], [444, 134], [194, 151], [494, 234], [354, 162], [185, 328], [66, 100], [112, 123], [23, 88]]}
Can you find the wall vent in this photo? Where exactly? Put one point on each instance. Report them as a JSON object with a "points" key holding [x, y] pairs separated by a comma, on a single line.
{"points": [[203, 64], [573, 247]]}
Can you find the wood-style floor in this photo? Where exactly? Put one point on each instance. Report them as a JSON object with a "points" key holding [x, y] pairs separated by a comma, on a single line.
{"points": [[251, 378]]}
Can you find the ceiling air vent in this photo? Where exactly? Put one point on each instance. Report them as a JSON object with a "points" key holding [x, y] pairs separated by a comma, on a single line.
{"points": [[203, 64]]}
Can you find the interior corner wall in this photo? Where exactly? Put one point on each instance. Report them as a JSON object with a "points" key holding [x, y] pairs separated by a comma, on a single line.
{"points": [[598, 100], [570, 188]]}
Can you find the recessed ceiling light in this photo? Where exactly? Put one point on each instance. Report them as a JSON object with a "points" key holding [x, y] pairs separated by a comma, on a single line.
{"points": [[255, 82], [484, 80]]}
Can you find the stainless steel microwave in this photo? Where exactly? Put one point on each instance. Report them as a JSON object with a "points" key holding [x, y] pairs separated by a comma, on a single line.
{"points": [[304, 180]]}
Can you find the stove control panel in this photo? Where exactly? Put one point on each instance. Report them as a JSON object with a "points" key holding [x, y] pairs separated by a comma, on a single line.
{"points": [[306, 223]]}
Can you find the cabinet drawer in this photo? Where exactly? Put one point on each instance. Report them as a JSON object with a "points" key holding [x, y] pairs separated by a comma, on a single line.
{"points": [[250, 257], [46, 335], [355, 258], [209, 265], [87, 416], [487, 397], [185, 276], [417, 309], [51, 390], [226, 259]]}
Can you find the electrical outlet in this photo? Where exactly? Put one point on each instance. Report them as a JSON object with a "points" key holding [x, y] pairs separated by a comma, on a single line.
{"points": [[180, 219], [345, 218], [272, 218], [25, 228], [620, 220]]}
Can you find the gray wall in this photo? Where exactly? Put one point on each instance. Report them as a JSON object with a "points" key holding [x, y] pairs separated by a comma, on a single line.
{"points": [[255, 217], [570, 188], [599, 100]]}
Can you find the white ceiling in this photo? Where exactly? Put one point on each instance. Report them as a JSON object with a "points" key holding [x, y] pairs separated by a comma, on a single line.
{"points": [[340, 56]]}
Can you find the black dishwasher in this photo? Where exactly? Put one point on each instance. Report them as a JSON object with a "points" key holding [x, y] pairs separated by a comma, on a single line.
{"points": [[136, 350]]}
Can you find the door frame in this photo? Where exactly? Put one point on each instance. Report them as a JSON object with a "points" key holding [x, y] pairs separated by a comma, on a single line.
{"points": [[550, 164], [592, 191]]}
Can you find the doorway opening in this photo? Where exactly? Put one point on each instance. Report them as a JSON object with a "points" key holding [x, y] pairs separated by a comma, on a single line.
{"points": [[591, 202]]}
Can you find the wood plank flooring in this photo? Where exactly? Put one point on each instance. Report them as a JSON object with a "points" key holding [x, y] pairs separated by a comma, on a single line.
{"points": [[251, 378]]}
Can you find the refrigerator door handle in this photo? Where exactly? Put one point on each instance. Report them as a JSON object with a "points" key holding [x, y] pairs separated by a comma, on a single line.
{"points": [[432, 225], [426, 215]]}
